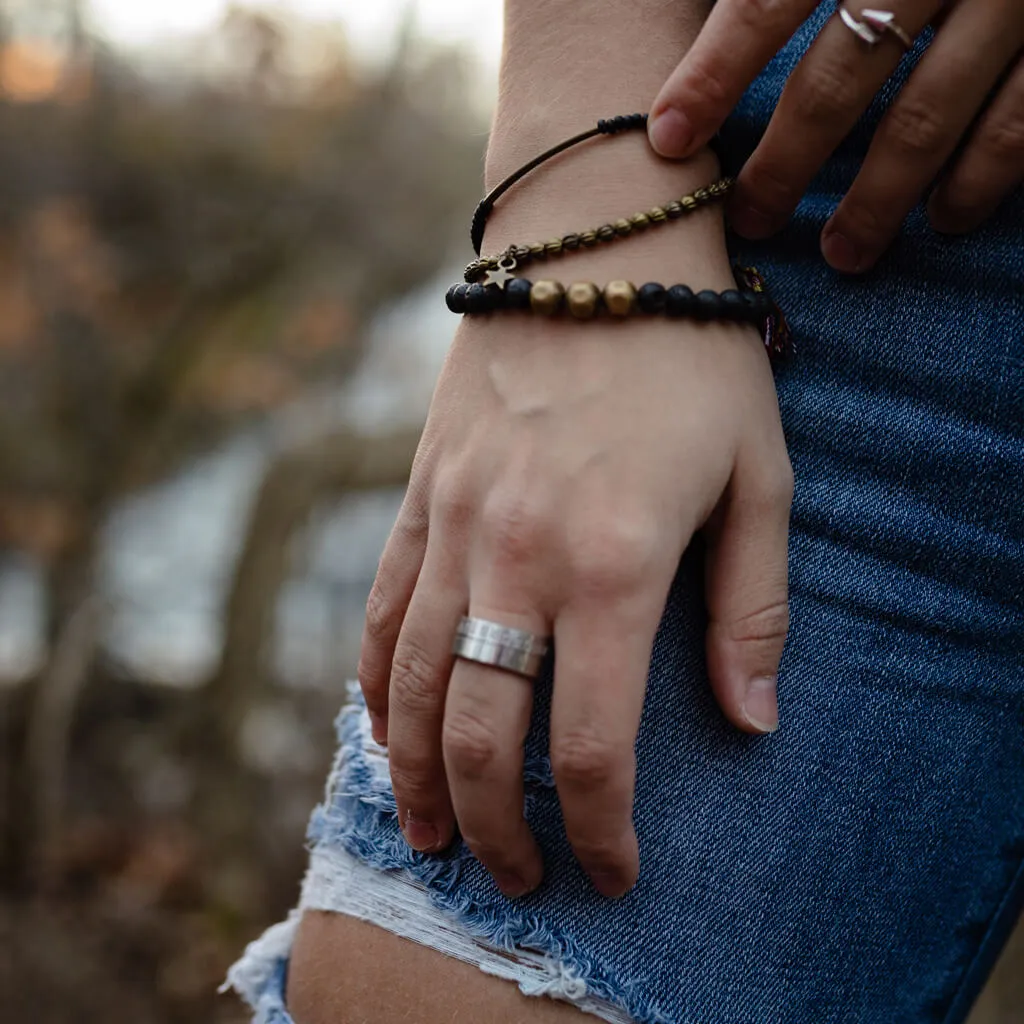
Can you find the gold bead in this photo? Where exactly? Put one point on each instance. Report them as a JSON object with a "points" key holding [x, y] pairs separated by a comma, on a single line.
{"points": [[657, 215], [582, 298], [619, 297], [623, 227], [688, 203], [537, 249], [701, 195], [589, 238], [640, 221], [553, 247], [546, 297], [674, 209], [605, 233]]}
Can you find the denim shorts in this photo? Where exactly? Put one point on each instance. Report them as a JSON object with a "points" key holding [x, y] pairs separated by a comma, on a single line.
{"points": [[864, 864]]}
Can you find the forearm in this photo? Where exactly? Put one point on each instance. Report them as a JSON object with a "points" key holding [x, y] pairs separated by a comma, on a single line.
{"points": [[566, 64]]}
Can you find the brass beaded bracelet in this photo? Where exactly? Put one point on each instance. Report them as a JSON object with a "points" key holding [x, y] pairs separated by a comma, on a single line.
{"points": [[496, 267], [751, 304]]}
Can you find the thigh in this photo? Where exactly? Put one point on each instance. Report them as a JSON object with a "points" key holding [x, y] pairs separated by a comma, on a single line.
{"points": [[346, 971]]}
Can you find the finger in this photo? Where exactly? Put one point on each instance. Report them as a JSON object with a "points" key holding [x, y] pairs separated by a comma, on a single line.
{"points": [[485, 725], [419, 681], [921, 130], [746, 588], [386, 607], [825, 96], [738, 39], [603, 640], [990, 168]]}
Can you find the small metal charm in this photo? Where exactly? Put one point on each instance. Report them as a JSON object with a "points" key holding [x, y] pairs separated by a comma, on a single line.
{"points": [[503, 274]]}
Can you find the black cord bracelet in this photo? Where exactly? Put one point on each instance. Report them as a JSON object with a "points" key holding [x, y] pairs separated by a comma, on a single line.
{"points": [[751, 304], [608, 126]]}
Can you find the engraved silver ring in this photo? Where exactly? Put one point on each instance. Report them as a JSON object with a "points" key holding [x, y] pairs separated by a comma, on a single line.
{"points": [[872, 25], [491, 643]]}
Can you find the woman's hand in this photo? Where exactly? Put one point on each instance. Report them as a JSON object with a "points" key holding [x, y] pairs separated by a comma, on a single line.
{"points": [[974, 64], [563, 470]]}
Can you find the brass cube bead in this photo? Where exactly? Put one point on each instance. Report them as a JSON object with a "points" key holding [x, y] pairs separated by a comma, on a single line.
{"points": [[688, 203], [546, 297], [657, 215], [582, 298], [537, 249], [640, 221], [623, 227], [619, 298], [589, 238], [553, 247]]}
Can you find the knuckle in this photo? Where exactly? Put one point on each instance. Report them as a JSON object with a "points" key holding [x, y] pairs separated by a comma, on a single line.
{"points": [[452, 501], [412, 777], [471, 746], [825, 93], [916, 128], [758, 15], [416, 683], [383, 615], [584, 760], [514, 530], [769, 623], [612, 556], [773, 190], [1003, 139]]}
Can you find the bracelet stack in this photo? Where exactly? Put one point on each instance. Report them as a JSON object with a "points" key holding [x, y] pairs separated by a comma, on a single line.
{"points": [[491, 286]]}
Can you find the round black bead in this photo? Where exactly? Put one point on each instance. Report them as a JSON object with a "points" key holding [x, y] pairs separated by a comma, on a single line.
{"points": [[679, 300], [478, 300], [517, 293], [751, 306], [733, 306], [650, 297], [707, 305], [455, 298]]}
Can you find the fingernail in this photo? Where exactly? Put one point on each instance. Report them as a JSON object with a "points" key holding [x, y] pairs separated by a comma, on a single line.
{"points": [[841, 254], [420, 835], [511, 885], [751, 221], [610, 884], [378, 729], [670, 132], [761, 707]]}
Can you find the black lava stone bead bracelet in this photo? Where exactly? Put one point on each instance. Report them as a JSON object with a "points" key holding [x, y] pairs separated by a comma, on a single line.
{"points": [[584, 300]]}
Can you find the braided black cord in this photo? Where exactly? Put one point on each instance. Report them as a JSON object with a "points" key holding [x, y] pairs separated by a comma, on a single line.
{"points": [[609, 126]]}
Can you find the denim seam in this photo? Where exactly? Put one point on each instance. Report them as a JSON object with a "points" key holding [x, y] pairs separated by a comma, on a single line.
{"points": [[1015, 890]]}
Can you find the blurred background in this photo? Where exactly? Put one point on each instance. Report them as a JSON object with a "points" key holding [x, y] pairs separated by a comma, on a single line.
{"points": [[224, 231]]}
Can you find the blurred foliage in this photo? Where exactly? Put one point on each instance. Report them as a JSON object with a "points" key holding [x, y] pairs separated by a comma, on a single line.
{"points": [[182, 254]]}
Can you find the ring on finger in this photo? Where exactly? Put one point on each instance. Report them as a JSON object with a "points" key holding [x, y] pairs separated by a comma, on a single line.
{"points": [[500, 646], [873, 24]]}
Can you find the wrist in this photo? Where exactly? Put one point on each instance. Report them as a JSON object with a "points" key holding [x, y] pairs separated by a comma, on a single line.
{"points": [[565, 66]]}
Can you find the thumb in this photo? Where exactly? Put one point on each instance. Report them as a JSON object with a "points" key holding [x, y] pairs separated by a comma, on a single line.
{"points": [[739, 38], [746, 595]]}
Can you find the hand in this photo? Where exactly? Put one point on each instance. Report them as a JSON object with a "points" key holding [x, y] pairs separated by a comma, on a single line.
{"points": [[974, 64], [563, 469]]}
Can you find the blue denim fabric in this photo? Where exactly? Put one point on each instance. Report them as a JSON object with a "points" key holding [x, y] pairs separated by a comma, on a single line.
{"points": [[864, 864]]}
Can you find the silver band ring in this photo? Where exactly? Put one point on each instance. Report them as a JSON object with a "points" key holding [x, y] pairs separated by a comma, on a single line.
{"points": [[491, 643], [873, 25]]}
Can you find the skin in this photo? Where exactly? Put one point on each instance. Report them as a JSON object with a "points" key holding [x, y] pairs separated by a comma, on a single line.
{"points": [[967, 90], [563, 469]]}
